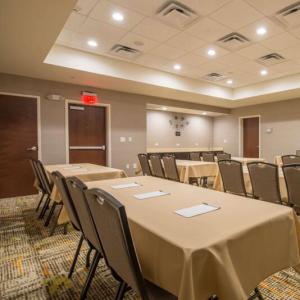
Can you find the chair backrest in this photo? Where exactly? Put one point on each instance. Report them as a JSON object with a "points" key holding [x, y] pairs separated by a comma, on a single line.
{"points": [[111, 223], [195, 156], [232, 177], [36, 174], [61, 184], [292, 179], [223, 156], [157, 168], [290, 159], [76, 189], [44, 177], [144, 162], [208, 156], [265, 181], [170, 166]]}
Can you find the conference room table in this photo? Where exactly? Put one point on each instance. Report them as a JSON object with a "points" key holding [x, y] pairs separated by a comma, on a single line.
{"points": [[85, 172], [218, 185], [226, 252]]}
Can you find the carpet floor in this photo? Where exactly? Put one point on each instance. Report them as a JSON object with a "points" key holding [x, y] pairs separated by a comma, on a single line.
{"points": [[35, 266]]}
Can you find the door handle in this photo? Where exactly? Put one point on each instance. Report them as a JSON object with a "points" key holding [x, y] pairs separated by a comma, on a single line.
{"points": [[33, 148]]}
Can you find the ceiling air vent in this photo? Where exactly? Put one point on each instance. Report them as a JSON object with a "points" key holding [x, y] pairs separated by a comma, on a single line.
{"points": [[271, 59], [124, 51], [233, 41], [214, 77], [176, 14], [289, 16]]}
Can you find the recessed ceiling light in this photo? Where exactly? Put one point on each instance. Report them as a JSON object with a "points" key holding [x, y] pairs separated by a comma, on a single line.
{"points": [[211, 52], [92, 43], [229, 81], [204, 113], [261, 31], [263, 72], [117, 16], [177, 67], [164, 108]]}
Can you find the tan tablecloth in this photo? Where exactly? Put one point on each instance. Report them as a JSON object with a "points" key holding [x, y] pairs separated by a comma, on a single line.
{"points": [[245, 160], [189, 168], [85, 172], [218, 185], [227, 252]]}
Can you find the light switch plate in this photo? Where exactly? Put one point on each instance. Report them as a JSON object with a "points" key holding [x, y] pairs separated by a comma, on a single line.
{"points": [[122, 139], [129, 139]]}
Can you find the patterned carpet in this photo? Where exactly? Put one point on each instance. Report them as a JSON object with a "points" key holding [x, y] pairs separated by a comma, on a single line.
{"points": [[35, 266]]}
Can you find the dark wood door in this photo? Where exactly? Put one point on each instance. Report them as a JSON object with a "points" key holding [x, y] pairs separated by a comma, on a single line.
{"points": [[18, 143], [251, 137], [87, 134]]}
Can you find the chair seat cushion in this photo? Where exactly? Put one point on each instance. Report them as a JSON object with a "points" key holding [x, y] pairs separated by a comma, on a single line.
{"points": [[157, 293]]}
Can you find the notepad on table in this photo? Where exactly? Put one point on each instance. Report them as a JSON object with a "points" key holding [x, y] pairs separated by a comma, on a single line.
{"points": [[125, 185], [150, 195], [196, 210]]}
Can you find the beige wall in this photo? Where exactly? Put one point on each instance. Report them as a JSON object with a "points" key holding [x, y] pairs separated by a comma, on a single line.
{"points": [[160, 133], [128, 117], [282, 117]]}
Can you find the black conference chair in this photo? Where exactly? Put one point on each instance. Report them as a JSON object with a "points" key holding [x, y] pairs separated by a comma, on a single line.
{"points": [[292, 180], [195, 156], [60, 182], [265, 181], [232, 177], [111, 223], [208, 156], [76, 190], [157, 168], [290, 159], [223, 156], [144, 162], [170, 166], [38, 183]]}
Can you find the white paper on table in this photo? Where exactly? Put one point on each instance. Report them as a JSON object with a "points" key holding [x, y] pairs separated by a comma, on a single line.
{"points": [[125, 185], [150, 195], [196, 210]]}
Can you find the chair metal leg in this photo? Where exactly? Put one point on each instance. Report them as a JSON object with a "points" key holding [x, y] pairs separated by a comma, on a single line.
{"points": [[45, 207], [258, 294], [88, 257], [40, 201], [121, 291], [90, 276], [50, 213], [76, 256]]}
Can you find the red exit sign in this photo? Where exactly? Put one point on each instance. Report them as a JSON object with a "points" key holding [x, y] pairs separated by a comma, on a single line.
{"points": [[89, 98]]}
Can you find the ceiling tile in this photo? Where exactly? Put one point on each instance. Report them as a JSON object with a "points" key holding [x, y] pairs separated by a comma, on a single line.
{"points": [[101, 30], [233, 59], [254, 51], [191, 59], [147, 7], [85, 6], [152, 61], [281, 41], [269, 7], [287, 67], [291, 53], [249, 31], [167, 52], [236, 14], [137, 41], [208, 30], [185, 42], [104, 9], [65, 37], [203, 51], [75, 21], [155, 30], [212, 66], [296, 32], [251, 67]]}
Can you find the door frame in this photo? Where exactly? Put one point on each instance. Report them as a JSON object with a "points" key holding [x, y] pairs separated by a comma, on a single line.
{"points": [[241, 134], [38, 108], [107, 125]]}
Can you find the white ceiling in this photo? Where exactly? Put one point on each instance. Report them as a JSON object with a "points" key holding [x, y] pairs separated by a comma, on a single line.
{"points": [[162, 46]]}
